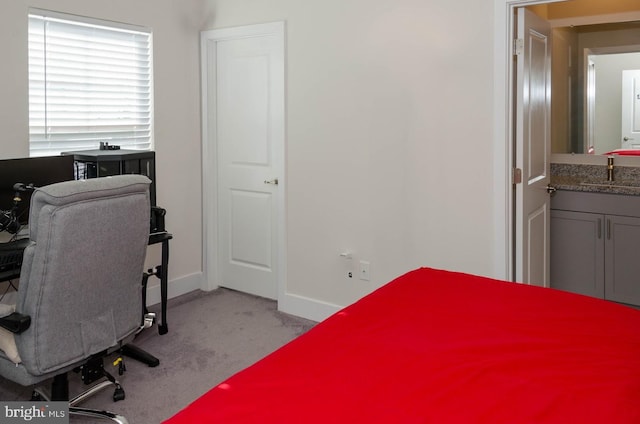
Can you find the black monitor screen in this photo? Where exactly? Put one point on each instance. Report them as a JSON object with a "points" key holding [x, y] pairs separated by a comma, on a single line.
{"points": [[36, 171]]}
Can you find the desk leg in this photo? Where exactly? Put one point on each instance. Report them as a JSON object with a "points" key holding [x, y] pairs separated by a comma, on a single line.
{"points": [[145, 280], [164, 276]]}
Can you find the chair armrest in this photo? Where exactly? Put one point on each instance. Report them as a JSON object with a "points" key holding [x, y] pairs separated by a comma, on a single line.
{"points": [[15, 322]]}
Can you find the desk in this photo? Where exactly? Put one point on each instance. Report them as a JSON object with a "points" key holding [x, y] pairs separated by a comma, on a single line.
{"points": [[9, 275], [161, 272], [11, 258]]}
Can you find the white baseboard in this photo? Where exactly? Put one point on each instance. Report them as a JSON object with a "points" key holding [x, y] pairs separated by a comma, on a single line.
{"points": [[175, 288], [305, 307], [292, 304]]}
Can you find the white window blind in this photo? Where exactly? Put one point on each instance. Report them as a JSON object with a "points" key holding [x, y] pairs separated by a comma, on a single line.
{"points": [[89, 82]]}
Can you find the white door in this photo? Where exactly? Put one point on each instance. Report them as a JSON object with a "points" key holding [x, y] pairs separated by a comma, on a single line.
{"points": [[533, 145], [631, 109], [245, 108]]}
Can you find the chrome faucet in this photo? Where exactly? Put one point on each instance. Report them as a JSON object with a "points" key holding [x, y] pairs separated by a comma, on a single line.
{"points": [[610, 168]]}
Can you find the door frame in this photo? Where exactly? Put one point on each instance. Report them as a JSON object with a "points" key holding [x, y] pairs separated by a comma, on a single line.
{"points": [[210, 230], [504, 129], [504, 135]]}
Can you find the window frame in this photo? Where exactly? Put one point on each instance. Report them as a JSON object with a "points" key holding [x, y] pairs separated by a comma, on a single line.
{"points": [[48, 138]]}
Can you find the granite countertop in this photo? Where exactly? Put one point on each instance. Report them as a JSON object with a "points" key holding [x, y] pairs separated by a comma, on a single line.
{"points": [[593, 178], [601, 186]]}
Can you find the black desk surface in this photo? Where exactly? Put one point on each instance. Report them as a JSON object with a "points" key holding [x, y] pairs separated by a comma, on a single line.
{"points": [[109, 155], [159, 237]]}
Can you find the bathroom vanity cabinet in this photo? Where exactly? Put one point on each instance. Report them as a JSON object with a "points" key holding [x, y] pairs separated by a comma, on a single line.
{"points": [[595, 245]]}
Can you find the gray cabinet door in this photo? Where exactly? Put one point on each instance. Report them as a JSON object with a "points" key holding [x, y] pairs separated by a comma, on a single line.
{"points": [[622, 259], [577, 252]]}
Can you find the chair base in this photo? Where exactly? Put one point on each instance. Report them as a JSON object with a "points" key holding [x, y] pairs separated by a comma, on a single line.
{"points": [[94, 413], [135, 352], [138, 354], [92, 371], [40, 395]]}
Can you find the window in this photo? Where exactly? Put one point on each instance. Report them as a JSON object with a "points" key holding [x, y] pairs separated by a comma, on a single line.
{"points": [[89, 82]]}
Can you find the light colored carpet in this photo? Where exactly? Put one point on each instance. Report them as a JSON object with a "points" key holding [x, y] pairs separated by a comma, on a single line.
{"points": [[211, 336]]}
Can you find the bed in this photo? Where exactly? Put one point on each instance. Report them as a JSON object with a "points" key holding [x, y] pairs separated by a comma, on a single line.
{"points": [[624, 152], [435, 346]]}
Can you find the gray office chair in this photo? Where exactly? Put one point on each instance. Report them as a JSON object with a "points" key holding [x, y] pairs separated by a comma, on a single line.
{"points": [[80, 295]]}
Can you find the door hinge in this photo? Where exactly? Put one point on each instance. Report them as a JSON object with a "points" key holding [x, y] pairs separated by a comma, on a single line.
{"points": [[516, 176], [518, 46]]}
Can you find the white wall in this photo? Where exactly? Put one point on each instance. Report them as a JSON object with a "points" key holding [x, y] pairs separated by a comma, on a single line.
{"points": [[389, 129], [389, 136], [175, 27]]}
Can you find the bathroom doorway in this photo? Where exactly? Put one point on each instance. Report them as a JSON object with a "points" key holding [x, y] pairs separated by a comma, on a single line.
{"points": [[507, 246]]}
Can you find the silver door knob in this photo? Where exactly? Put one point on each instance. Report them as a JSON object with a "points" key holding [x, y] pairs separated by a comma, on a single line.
{"points": [[627, 138], [551, 189], [274, 181]]}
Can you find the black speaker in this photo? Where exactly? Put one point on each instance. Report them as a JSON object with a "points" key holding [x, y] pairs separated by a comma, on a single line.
{"points": [[157, 220], [104, 163]]}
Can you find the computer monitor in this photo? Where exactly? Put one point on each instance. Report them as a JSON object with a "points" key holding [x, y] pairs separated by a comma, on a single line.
{"points": [[39, 171]]}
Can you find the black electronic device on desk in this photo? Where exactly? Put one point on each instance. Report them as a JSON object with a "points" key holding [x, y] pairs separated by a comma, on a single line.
{"points": [[21, 176], [18, 178], [105, 162], [11, 251]]}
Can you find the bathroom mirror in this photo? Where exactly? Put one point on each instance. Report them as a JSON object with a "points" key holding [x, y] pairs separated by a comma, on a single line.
{"points": [[587, 86]]}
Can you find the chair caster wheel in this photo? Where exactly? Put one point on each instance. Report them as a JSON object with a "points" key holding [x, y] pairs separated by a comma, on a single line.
{"points": [[40, 394], [118, 394]]}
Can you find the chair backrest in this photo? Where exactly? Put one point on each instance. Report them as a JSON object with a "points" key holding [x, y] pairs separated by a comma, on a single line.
{"points": [[81, 275]]}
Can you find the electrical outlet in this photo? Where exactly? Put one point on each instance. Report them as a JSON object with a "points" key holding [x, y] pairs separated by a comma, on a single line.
{"points": [[364, 271]]}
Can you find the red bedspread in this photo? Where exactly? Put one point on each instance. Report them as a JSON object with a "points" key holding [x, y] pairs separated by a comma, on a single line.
{"points": [[624, 152], [440, 347]]}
